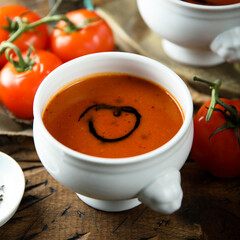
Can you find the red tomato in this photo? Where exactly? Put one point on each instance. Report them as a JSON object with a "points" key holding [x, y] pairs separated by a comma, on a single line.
{"points": [[220, 155], [95, 37], [18, 88], [38, 37]]}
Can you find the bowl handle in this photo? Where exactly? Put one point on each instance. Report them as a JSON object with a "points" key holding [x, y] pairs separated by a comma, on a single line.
{"points": [[227, 44], [164, 194]]}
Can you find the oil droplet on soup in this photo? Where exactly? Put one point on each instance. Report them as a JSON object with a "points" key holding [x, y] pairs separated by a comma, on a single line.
{"points": [[113, 115]]}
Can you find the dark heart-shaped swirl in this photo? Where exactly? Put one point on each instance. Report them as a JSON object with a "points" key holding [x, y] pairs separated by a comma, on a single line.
{"points": [[116, 112]]}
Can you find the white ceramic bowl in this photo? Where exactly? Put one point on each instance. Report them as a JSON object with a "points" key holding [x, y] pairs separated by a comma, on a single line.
{"points": [[189, 29], [117, 184], [11, 176]]}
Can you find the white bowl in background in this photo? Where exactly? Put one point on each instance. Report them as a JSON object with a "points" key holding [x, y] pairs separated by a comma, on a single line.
{"points": [[188, 29]]}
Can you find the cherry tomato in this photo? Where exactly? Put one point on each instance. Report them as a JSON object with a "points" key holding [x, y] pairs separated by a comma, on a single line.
{"points": [[219, 155], [39, 36], [95, 37], [18, 88]]}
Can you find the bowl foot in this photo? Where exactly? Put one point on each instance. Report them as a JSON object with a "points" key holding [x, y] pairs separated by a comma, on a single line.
{"points": [[189, 56], [110, 206]]}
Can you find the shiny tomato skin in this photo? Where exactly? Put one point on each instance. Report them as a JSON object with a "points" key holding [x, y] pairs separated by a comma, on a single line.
{"points": [[219, 155], [96, 37], [17, 90], [39, 38]]}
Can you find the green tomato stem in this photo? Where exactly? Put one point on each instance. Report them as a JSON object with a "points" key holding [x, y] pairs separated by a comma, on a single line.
{"points": [[214, 99], [230, 113], [21, 65], [214, 86], [20, 26], [49, 19], [24, 27]]}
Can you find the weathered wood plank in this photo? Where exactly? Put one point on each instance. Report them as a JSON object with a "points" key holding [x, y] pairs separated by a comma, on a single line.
{"points": [[210, 208]]}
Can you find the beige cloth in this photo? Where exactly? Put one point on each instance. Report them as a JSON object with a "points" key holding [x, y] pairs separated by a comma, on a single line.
{"points": [[11, 126]]}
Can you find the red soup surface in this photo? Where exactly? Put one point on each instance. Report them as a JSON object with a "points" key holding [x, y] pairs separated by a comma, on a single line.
{"points": [[213, 2], [113, 115]]}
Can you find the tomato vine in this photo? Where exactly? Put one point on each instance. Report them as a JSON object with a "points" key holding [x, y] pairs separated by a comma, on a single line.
{"points": [[20, 25], [230, 112]]}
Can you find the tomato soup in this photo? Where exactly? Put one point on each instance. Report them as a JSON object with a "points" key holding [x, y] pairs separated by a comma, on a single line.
{"points": [[113, 115], [213, 2]]}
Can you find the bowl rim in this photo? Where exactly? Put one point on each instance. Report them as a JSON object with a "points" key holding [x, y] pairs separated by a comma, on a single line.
{"points": [[20, 185], [206, 7], [112, 161]]}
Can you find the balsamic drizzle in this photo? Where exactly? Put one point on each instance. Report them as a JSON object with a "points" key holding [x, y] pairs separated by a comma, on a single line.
{"points": [[117, 111]]}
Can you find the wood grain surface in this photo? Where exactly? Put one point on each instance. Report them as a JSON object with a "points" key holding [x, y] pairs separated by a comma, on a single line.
{"points": [[210, 208]]}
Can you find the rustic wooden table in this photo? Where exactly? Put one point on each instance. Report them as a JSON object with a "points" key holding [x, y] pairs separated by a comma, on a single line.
{"points": [[210, 208]]}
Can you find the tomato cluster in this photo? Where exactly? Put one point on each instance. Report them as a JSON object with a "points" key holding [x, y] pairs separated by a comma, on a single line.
{"points": [[39, 38], [86, 34]]}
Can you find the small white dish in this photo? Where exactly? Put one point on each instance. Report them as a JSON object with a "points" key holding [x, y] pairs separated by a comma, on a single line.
{"points": [[13, 182]]}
